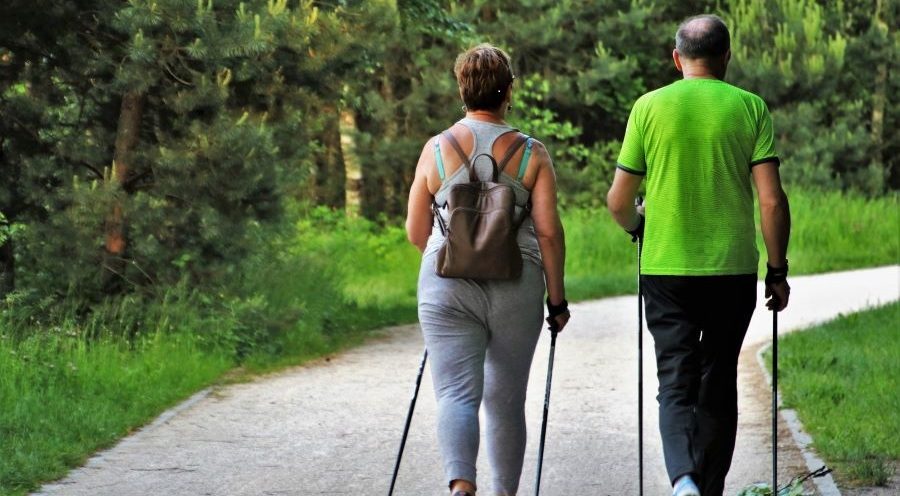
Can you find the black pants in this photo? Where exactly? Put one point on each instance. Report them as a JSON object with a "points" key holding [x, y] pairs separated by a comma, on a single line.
{"points": [[698, 324]]}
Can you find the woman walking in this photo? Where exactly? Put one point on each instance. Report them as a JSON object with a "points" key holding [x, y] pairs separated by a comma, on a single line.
{"points": [[481, 334]]}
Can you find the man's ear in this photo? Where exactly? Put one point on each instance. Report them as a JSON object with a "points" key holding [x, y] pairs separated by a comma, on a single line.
{"points": [[677, 58]]}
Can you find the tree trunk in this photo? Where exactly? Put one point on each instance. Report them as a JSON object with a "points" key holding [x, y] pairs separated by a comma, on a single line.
{"points": [[126, 140], [7, 254], [879, 95], [487, 14], [330, 175], [7, 269], [352, 165], [384, 197]]}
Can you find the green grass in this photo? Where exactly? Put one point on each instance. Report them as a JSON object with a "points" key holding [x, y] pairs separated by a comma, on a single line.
{"points": [[62, 398], [839, 231], [843, 379]]}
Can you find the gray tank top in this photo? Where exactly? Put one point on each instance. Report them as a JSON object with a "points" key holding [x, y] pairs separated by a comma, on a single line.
{"points": [[484, 135]]}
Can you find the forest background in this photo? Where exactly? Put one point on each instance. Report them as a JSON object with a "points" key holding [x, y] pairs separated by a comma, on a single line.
{"points": [[188, 186]]}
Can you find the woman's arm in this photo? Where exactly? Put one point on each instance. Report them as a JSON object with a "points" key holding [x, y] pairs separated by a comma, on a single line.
{"points": [[547, 225], [418, 213]]}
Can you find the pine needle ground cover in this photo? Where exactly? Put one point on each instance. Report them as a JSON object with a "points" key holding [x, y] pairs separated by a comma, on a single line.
{"points": [[842, 378]]}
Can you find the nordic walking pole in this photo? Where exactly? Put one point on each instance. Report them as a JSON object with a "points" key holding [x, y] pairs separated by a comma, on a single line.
{"points": [[775, 400], [412, 406], [537, 483], [637, 202]]}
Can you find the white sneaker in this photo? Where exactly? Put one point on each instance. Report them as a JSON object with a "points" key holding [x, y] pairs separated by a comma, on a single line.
{"points": [[685, 486]]}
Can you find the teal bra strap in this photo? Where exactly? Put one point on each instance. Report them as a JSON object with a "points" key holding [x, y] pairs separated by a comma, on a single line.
{"points": [[437, 157], [523, 165]]}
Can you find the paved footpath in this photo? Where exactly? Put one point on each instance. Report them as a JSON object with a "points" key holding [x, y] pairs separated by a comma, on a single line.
{"points": [[333, 426]]}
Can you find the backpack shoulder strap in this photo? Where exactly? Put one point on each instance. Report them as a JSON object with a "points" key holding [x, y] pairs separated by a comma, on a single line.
{"points": [[520, 140], [523, 165], [437, 157], [452, 139]]}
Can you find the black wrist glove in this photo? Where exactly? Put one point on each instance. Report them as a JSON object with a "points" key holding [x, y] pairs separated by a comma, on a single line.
{"points": [[776, 275], [638, 232], [555, 311]]}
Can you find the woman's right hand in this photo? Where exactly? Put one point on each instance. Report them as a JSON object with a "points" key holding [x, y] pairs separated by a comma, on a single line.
{"points": [[558, 314], [558, 323]]}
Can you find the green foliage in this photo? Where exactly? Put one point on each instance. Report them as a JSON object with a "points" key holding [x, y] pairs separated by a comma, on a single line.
{"points": [[242, 100], [8, 231], [374, 267], [600, 260], [227, 92], [582, 172], [764, 489], [818, 66], [841, 378]]}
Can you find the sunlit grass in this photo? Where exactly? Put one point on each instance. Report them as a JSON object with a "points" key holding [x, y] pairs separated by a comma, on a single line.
{"points": [[842, 378], [839, 231], [62, 398]]}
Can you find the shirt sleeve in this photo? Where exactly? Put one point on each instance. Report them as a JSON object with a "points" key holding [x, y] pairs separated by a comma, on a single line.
{"points": [[632, 157], [764, 150]]}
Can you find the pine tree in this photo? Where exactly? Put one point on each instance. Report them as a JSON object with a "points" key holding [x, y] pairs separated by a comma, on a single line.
{"points": [[159, 136], [822, 67]]}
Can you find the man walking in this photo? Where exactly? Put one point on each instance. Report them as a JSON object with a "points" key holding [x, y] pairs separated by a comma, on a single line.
{"points": [[700, 142]]}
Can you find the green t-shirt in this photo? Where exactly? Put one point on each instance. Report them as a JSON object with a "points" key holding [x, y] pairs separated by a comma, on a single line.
{"points": [[696, 140]]}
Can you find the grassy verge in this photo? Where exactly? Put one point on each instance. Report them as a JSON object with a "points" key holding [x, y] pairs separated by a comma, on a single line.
{"points": [[839, 231], [62, 398], [843, 379], [69, 387]]}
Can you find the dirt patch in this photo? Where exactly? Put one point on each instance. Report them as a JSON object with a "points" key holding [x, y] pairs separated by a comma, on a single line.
{"points": [[891, 489]]}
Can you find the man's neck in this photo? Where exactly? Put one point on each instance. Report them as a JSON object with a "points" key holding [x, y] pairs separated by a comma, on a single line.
{"points": [[700, 71], [700, 76]]}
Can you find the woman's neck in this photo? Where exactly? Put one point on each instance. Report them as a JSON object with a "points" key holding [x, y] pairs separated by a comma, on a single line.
{"points": [[486, 115]]}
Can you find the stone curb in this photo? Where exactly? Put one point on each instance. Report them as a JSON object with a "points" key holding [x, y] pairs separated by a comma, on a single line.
{"points": [[825, 485]]}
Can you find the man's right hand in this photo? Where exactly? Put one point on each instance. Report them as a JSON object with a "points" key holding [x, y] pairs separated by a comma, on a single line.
{"points": [[778, 293]]}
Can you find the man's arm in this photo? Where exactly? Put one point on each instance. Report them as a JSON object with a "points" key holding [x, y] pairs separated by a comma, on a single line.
{"points": [[620, 199], [775, 222]]}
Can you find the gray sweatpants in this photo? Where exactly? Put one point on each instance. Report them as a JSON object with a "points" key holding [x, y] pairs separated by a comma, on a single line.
{"points": [[481, 338]]}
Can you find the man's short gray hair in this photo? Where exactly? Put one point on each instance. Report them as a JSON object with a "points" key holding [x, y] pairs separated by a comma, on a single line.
{"points": [[702, 37]]}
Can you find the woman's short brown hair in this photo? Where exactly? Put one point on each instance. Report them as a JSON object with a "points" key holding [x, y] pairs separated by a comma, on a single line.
{"points": [[484, 73]]}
